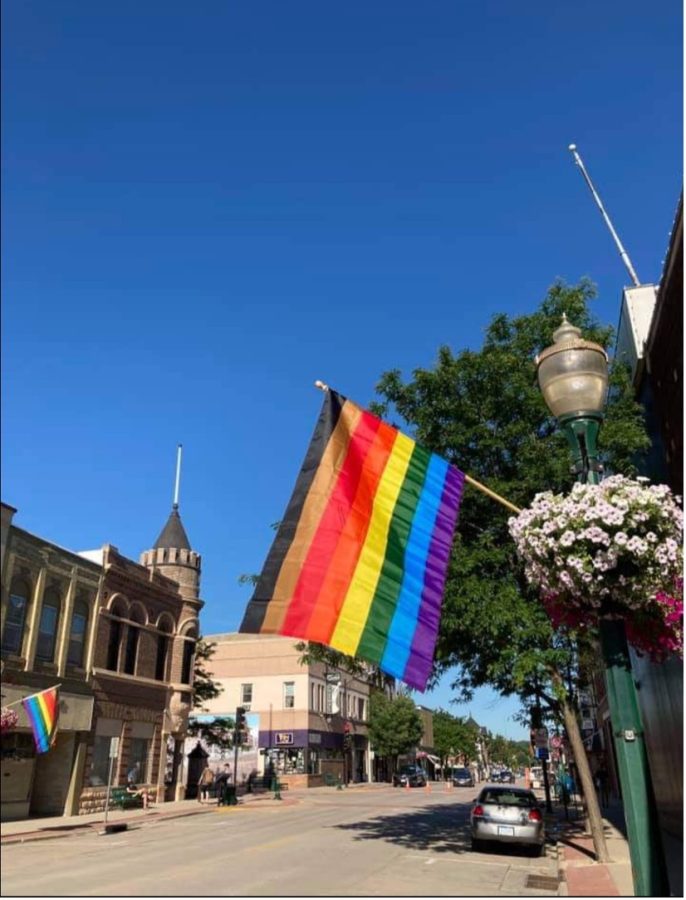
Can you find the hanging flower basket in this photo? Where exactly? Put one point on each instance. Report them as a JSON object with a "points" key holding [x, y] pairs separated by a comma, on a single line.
{"points": [[608, 550], [8, 719]]}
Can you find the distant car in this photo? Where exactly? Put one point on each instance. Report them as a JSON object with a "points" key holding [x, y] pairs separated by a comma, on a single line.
{"points": [[412, 775], [507, 777], [507, 815], [462, 778]]}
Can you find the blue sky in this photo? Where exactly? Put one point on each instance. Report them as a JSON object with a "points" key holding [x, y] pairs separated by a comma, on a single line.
{"points": [[206, 207]]}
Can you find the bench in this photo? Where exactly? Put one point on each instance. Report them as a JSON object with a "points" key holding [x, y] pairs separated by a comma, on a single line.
{"points": [[120, 797]]}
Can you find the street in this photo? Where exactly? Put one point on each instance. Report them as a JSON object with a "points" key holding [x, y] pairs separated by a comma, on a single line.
{"points": [[373, 840]]}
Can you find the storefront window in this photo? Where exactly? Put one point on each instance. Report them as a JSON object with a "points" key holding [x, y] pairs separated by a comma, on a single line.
{"points": [[288, 762], [100, 766], [138, 758]]}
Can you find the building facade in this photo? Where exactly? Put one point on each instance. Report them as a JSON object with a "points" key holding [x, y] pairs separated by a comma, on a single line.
{"points": [[119, 637], [309, 722], [49, 615]]}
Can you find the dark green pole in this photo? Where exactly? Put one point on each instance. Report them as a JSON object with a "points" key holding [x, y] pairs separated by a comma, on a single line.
{"points": [[634, 776]]}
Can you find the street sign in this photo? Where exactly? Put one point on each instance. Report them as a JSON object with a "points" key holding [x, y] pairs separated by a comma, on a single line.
{"points": [[114, 747], [556, 742], [542, 753]]}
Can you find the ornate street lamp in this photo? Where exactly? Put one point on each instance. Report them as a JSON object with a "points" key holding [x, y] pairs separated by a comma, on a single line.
{"points": [[572, 374], [573, 377]]}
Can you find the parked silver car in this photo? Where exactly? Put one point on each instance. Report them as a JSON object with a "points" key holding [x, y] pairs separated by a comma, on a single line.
{"points": [[509, 815]]}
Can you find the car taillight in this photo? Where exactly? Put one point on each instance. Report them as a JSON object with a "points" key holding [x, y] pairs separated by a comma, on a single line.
{"points": [[535, 815], [478, 811]]}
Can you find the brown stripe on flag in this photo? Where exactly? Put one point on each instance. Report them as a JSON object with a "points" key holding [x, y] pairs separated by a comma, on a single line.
{"points": [[264, 590], [313, 508]]}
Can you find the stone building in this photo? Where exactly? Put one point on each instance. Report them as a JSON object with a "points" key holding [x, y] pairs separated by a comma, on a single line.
{"points": [[50, 602], [143, 665], [309, 721], [119, 637]]}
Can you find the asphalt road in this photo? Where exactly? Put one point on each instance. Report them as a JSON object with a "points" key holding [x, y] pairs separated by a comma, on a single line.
{"points": [[368, 841]]}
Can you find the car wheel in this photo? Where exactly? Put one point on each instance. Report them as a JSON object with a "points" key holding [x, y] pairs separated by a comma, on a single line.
{"points": [[541, 850], [477, 845]]}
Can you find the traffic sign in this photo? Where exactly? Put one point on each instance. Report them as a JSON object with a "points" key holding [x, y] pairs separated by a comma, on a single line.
{"points": [[542, 753]]}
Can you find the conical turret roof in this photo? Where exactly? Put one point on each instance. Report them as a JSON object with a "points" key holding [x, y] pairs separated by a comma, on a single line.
{"points": [[173, 535]]}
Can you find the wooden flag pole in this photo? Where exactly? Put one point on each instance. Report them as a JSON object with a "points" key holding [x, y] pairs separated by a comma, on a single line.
{"points": [[28, 696], [468, 478]]}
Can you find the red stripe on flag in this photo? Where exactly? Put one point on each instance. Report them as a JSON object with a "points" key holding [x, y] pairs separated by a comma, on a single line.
{"points": [[344, 559], [328, 532]]}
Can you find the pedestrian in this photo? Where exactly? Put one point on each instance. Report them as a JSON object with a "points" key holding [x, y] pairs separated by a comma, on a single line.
{"points": [[221, 784], [205, 782], [133, 789]]}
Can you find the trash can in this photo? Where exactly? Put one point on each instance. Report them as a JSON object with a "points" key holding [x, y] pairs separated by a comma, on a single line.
{"points": [[229, 797]]}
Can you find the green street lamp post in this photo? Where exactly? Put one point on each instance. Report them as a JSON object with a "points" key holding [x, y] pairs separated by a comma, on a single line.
{"points": [[573, 377]]}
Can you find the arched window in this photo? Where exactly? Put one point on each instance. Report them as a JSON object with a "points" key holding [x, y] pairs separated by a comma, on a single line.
{"points": [[47, 627], [118, 609], [187, 663], [77, 632], [162, 650], [13, 634], [132, 642]]}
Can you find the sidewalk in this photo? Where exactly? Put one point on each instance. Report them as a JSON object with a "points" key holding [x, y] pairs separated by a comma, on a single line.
{"points": [[580, 875], [61, 826]]}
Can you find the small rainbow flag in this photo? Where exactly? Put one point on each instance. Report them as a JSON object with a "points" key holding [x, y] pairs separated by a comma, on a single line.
{"points": [[360, 559], [43, 710]]}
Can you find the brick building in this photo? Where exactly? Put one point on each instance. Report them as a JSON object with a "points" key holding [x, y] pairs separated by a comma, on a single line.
{"points": [[50, 598], [119, 637], [309, 721]]}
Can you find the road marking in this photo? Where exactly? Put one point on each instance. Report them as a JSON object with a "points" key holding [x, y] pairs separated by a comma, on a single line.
{"points": [[276, 843], [430, 862]]}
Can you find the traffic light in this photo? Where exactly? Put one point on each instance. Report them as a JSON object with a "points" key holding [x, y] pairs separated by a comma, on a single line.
{"points": [[241, 726]]}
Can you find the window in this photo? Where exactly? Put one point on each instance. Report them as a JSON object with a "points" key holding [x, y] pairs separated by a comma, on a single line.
{"points": [[113, 645], [77, 633], [100, 766], [47, 627], [246, 694], [360, 708], [131, 650], [13, 634], [161, 659], [188, 649], [288, 694], [138, 758]]}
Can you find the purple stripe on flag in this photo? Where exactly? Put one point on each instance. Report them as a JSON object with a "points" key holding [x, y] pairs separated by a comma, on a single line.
{"points": [[419, 665]]}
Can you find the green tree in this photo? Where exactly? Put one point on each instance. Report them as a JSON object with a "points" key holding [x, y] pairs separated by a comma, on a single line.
{"points": [[219, 732], [482, 410], [395, 725], [452, 737]]}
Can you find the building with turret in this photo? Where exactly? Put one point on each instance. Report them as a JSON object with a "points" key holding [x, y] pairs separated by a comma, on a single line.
{"points": [[120, 637]]}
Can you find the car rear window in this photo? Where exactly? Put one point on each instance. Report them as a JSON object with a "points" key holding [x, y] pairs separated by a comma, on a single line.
{"points": [[508, 798], [461, 773]]}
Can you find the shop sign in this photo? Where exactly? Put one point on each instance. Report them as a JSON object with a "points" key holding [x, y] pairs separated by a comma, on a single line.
{"points": [[333, 677], [284, 737]]}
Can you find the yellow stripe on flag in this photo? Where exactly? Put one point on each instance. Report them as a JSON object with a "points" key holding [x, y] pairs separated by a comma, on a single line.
{"points": [[358, 599]]}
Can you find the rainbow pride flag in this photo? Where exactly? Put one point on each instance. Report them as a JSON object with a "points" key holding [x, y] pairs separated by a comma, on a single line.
{"points": [[360, 559], [43, 711]]}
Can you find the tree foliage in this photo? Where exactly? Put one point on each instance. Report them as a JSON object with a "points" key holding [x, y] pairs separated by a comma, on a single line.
{"points": [[482, 410], [395, 725], [219, 732], [453, 736]]}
